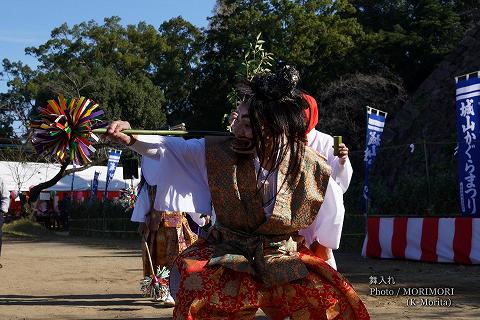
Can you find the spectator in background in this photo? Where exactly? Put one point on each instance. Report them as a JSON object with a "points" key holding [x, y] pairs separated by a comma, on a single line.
{"points": [[64, 207], [4, 204], [41, 213], [13, 207]]}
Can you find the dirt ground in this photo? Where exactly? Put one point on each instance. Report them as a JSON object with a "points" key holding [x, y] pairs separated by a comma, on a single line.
{"points": [[82, 278]]}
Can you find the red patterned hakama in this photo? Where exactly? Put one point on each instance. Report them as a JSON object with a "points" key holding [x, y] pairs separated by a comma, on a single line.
{"points": [[216, 292]]}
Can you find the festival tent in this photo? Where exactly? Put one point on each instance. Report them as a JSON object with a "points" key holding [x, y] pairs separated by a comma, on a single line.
{"points": [[21, 176]]}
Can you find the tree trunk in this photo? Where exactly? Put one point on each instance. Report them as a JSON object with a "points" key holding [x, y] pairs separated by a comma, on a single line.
{"points": [[35, 191]]}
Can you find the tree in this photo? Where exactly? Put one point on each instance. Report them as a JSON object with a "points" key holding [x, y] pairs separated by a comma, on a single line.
{"points": [[469, 11], [6, 125], [342, 112], [342, 104], [108, 63], [175, 67], [410, 37], [16, 103], [315, 36]]}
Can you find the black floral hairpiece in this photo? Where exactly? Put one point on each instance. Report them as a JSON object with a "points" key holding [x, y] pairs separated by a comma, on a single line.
{"points": [[280, 85]]}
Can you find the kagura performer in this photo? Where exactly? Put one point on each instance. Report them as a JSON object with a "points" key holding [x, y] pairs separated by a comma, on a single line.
{"points": [[161, 211], [265, 186]]}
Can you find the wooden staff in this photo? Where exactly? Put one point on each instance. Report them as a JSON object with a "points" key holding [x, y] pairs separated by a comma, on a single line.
{"points": [[149, 258], [167, 132]]}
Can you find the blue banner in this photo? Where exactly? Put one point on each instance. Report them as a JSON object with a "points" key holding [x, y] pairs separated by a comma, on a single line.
{"points": [[375, 124], [94, 185], [467, 105], [113, 160]]}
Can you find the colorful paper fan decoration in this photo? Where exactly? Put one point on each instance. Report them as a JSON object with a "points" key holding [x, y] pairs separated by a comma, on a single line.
{"points": [[156, 286], [128, 198], [64, 128]]}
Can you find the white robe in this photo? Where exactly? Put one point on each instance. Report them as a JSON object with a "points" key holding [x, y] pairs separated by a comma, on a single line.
{"points": [[323, 144], [178, 188], [179, 169], [4, 199], [342, 174]]}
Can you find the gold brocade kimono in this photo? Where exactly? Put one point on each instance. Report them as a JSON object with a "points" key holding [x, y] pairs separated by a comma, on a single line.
{"points": [[169, 235], [249, 262], [243, 238]]}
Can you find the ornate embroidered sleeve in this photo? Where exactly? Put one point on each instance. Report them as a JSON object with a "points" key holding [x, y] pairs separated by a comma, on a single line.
{"points": [[327, 227]]}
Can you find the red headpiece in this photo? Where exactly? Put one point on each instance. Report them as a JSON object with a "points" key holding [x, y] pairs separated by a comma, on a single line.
{"points": [[311, 113]]}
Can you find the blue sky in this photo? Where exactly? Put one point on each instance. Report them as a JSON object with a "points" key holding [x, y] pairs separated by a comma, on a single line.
{"points": [[25, 23]]}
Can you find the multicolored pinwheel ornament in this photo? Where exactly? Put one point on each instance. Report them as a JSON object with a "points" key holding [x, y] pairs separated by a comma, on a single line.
{"points": [[64, 129]]}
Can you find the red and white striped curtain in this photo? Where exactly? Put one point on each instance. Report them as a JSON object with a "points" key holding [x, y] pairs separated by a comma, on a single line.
{"points": [[432, 239]]}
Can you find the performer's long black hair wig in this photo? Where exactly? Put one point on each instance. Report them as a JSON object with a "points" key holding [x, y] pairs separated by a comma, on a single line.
{"points": [[277, 117]]}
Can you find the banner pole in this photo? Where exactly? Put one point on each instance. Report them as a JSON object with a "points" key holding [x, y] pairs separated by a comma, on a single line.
{"points": [[375, 122], [467, 76], [429, 209]]}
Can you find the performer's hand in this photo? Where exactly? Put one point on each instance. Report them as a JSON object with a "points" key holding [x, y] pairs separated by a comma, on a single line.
{"points": [[232, 119], [207, 220], [114, 133], [342, 153], [233, 116]]}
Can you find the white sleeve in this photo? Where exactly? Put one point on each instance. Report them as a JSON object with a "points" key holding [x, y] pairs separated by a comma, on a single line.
{"points": [[326, 229], [323, 144], [342, 173], [5, 197], [196, 218], [188, 152], [142, 205], [331, 260], [178, 168]]}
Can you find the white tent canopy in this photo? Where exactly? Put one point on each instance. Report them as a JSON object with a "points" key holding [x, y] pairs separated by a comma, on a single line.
{"points": [[24, 175]]}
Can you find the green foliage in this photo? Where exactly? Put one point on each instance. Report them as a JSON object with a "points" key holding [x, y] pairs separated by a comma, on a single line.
{"points": [[17, 102], [256, 61], [350, 53], [134, 72], [315, 36], [6, 127], [469, 11], [181, 73], [410, 37], [98, 209], [25, 228], [101, 219], [405, 188], [441, 199], [175, 69], [135, 98]]}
